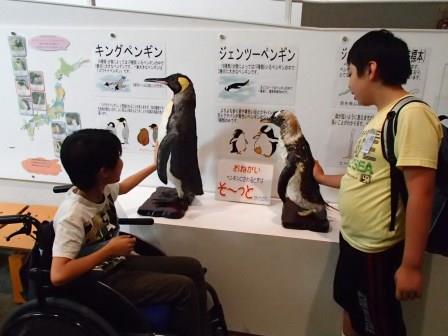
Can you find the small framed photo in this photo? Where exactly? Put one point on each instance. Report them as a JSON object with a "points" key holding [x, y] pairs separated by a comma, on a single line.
{"points": [[37, 81], [73, 122], [17, 45], [23, 86], [39, 101], [58, 129], [57, 143], [19, 66], [25, 106]]}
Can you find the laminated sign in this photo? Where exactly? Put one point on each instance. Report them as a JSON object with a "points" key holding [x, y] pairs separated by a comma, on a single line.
{"points": [[247, 182]]}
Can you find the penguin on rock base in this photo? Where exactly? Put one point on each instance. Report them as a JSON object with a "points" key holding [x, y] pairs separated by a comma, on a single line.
{"points": [[177, 159], [303, 205]]}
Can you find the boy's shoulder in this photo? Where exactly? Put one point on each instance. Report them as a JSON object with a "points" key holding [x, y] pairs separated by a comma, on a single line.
{"points": [[72, 207]]}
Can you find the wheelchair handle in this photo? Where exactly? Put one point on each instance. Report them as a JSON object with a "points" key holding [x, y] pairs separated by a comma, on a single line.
{"points": [[61, 188], [135, 221], [27, 220], [12, 219]]}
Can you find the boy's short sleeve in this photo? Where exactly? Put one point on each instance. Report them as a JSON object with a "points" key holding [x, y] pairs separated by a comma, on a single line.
{"points": [[114, 190], [69, 236], [418, 136]]}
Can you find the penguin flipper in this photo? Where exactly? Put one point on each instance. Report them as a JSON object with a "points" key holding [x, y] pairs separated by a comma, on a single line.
{"points": [[163, 155], [285, 175]]}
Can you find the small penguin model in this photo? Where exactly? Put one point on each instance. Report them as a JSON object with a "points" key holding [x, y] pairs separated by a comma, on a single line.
{"points": [[111, 127], [239, 142], [265, 141], [303, 205], [155, 132], [124, 131], [177, 158]]}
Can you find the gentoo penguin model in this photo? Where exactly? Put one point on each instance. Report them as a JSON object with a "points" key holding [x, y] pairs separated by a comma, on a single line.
{"points": [[177, 156], [239, 142], [111, 127], [296, 181], [124, 131], [265, 141]]}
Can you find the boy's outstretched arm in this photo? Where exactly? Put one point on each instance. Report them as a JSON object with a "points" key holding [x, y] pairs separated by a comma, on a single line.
{"points": [[333, 181], [132, 181], [409, 277], [63, 270]]}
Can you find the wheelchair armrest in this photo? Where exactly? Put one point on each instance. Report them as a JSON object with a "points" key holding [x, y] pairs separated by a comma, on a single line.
{"points": [[61, 188], [135, 221]]}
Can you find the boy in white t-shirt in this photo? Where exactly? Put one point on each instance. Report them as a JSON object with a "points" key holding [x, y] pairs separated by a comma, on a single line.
{"points": [[86, 235]]}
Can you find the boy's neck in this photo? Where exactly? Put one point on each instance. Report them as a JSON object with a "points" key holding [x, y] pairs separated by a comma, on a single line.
{"points": [[95, 195], [386, 95]]}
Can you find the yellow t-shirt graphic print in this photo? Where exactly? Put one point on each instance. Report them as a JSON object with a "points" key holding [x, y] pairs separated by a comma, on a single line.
{"points": [[364, 197]]}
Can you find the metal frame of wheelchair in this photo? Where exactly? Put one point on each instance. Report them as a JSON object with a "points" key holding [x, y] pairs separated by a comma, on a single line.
{"points": [[86, 306]]}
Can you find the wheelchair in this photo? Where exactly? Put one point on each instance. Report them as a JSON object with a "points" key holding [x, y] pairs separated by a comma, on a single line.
{"points": [[86, 306]]}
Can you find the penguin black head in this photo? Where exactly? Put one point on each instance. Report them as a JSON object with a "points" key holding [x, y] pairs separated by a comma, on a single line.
{"points": [[176, 82], [111, 124], [152, 126], [122, 120], [277, 118], [287, 121], [237, 133], [266, 129]]}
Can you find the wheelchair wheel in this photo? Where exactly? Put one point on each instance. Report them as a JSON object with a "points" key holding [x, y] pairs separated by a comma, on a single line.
{"points": [[56, 317]]}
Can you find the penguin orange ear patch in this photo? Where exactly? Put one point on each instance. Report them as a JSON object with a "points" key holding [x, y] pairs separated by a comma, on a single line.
{"points": [[143, 137]]}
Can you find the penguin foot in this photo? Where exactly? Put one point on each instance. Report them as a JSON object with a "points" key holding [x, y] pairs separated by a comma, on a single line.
{"points": [[188, 198]]}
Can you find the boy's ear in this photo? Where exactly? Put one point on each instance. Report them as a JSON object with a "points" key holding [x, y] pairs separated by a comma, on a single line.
{"points": [[102, 173], [372, 70]]}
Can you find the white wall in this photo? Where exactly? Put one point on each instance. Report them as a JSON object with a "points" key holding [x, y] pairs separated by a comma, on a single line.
{"points": [[261, 11]]}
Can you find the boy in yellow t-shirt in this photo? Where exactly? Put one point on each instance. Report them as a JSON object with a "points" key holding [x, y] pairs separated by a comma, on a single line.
{"points": [[379, 266]]}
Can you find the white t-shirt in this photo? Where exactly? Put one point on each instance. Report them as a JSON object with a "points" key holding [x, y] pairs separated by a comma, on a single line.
{"points": [[80, 223]]}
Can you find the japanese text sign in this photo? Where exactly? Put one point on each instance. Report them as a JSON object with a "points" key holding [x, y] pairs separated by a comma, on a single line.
{"points": [[247, 182]]}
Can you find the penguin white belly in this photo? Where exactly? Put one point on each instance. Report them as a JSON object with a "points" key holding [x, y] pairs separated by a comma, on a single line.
{"points": [[241, 144], [164, 120], [282, 150], [293, 188], [173, 179], [263, 146]]}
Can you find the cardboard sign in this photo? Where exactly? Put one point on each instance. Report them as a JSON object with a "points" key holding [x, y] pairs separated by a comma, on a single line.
{"points": [[247, 182]]}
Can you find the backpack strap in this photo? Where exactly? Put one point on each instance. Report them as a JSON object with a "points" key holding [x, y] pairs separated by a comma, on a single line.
{"points": [[388, 132]]}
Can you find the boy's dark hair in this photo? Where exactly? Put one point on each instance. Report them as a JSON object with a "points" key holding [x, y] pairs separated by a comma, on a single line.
{"points": [[388, 51], [85, 152]]}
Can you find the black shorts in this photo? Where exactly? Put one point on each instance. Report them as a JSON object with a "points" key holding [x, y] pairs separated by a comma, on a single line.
{"points": [[364, 286]]}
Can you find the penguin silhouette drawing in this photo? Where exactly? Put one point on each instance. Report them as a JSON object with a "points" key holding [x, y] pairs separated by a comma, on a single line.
{"points": [[265, 141], [155, 132], [124, 130], [177, 159], [239, 142], [303, 205]]}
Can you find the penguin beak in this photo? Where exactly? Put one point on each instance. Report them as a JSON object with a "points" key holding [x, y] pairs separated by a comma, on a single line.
{"points": [[266, 121], [157, 80]]}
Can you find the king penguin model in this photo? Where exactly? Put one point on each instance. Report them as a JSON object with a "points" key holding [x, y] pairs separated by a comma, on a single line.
{"points": [[177, 159], [303, 205]]}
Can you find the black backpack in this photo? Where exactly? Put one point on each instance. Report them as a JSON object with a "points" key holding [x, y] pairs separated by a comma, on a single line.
{"points": [[438, 234]]}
